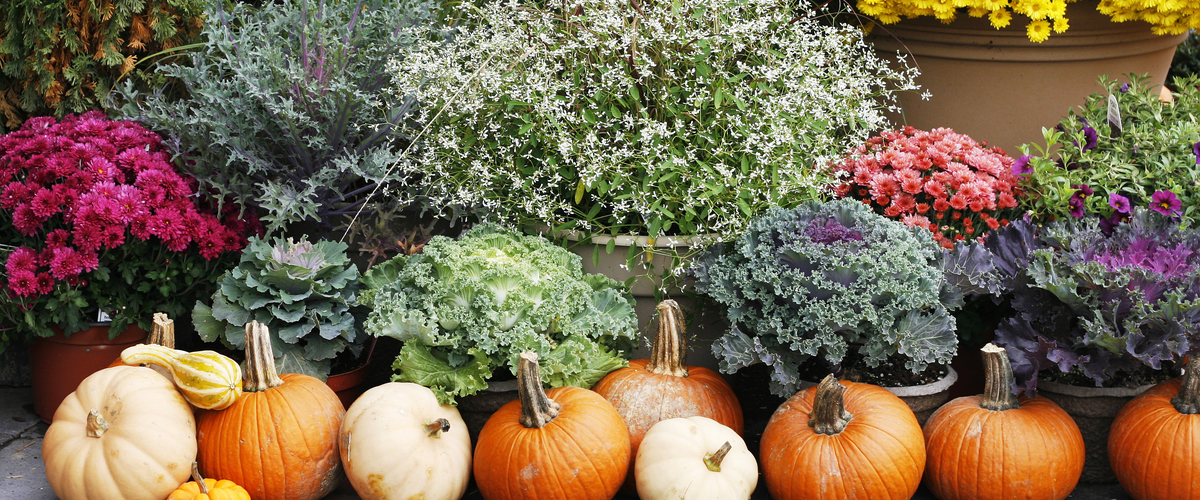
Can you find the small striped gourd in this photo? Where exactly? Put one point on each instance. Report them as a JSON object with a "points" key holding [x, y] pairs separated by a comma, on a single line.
{"points": [[207, 380]]}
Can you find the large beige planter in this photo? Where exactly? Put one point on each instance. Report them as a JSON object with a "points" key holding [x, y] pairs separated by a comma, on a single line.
{"points": [[1093, 409], [704, 325], [997, 86]]}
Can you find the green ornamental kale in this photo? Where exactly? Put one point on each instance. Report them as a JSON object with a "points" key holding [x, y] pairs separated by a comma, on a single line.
{"points": [[467, 307], [817, 279], [303, 292]]}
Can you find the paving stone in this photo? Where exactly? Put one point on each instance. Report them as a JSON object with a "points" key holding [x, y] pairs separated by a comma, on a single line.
{"points": [[16, 412], [21, 473]]}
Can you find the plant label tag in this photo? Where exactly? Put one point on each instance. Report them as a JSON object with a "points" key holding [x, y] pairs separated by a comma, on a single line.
{"points": [[102, 317]]}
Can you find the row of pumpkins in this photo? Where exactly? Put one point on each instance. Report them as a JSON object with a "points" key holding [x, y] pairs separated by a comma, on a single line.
{"points": [[659, 428]]}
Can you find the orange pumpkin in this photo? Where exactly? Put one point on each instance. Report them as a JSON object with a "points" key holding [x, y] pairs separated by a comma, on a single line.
{"points": [[279, 441], [999, 447], [200, 488], [565, 443], [842, 440], [664, 387], [1154, 444]]}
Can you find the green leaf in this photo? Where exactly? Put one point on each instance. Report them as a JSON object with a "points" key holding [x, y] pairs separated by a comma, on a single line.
{"points": [[418, 364], [290, 359], [208, 328], [578, 362]]}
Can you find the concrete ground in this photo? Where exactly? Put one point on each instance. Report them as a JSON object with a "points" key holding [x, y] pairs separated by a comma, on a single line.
{"points": [[23, 478]]}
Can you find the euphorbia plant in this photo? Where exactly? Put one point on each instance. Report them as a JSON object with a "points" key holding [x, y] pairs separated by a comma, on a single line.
{"points": [[939, 180], [94, 217]]}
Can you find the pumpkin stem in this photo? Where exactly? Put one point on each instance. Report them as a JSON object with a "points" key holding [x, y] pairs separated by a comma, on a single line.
{"points": [[260, 360], [1187, 401], [537, 409], [199, 479], [435, 428], [829, 415], [96, 425], [669, 353], [713, 460], [997, 380], [163, 331]]}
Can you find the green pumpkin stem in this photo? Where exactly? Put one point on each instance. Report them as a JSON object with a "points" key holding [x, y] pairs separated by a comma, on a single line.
{"points": [[829, 416], [537, 409], [435, 428], [997, 380], [260, 360], [199, 479], [1187, 401], [669, 354], [713, 460], [163, 331]]}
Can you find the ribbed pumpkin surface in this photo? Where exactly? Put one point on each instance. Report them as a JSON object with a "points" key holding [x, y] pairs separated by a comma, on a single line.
{"points": [[278, 444], [1031, 452], [582, 454], [1155, 450], [878, 456]]}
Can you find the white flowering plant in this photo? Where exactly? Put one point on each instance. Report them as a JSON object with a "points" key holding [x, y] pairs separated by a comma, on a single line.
{"points": [[635, 117]]}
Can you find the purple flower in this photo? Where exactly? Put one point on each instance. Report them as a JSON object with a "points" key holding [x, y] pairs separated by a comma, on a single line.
{"points": [[1089, 133], [1196, 149], [1120, 203], [1110, 223], [1076, 204], [1125, 87], [1165, 202], [1082, 190], [1022, 167]]}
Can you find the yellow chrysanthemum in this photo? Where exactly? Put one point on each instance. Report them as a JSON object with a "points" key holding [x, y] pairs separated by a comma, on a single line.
{"points": [[1060, 25], [1038, 31], [977, 11], [1058, 9], [1000, 18], [1033, 9]]}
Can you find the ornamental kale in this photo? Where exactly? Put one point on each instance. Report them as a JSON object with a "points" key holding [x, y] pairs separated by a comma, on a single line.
{"points": [[1101, 303], [467, 307], [813, 280], [303, 292]]}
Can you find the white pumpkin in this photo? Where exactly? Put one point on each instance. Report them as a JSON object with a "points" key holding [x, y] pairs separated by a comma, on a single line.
{"points": [[678, 460], [398, 443], [124, 434]]}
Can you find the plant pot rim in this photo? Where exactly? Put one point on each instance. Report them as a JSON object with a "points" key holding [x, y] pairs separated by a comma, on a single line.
{"points": [[1082, 391], [940, 385], [629, 240]]}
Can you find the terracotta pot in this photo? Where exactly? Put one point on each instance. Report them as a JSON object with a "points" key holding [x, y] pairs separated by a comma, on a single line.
{"points": [[1093, 409], [349, 385], [997, 86], [59, 363]]}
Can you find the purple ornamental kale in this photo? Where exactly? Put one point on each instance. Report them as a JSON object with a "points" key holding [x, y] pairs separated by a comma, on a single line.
{"points": [[831, 232]]}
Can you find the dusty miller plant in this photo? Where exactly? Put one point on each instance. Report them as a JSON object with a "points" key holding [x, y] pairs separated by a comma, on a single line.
{"points": [[643, 117], [289, 109]]}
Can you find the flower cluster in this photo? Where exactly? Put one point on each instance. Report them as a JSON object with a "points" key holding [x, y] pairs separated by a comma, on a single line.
{"points": [[86, 197], [1123, 149], [1166, 16], [939, 180]]}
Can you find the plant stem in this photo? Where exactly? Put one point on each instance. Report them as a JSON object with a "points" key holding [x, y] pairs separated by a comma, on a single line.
{"points": [[1187, 401], [713, 461], [829, 415], [260, 360], [669, 353], [997, 381], [199, 479], [435, 428], [537, 409]]}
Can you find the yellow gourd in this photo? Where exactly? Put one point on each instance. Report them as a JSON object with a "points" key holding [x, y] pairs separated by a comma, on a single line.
{"points": [[207, 380], [208, 489]]}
